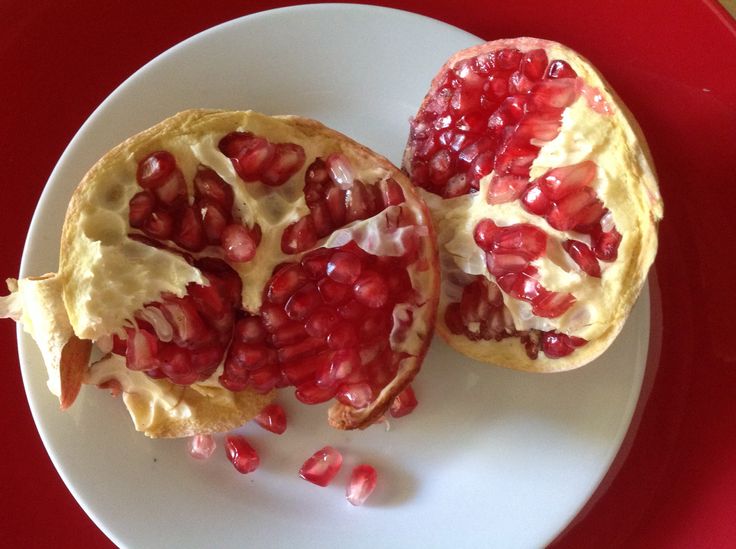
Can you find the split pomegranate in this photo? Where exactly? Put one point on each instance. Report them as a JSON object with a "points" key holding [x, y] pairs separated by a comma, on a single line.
{"points": [[545, 202], [361, 484], [322, 466], [220, 256]]}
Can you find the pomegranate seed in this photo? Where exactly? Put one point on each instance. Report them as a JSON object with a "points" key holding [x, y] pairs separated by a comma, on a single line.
{"points": [[206, 360], [299, 371], [140, 208], [265, 378], [371, 290], [321, 322], [560, 69], [155, 169], [142, 347], [316, 174], [201, 446], [340, 171], [534, 201], [241, 454], [189, 232], [391, 192], [285, 282], [322, 467], [357, 202], [533, 64], [583, 256], [508, 59], [361, 484], [233, 382], [356, 395], [556, 345], [440, 167], [288, 334], [343, 336], [605, 244], [287, 160], [234, 142], [249, 330], [272, 418], [404, 403], [336, 205], [249, 356], [332, 293], [254, 155], [160, 225], [505, 188], [299, 236], [214, 220], [299, 350], [351, 310], [273, 317], [315, 263], [553, 94], [182, 314], [453, 319], [301, 304], [176, 364], [522, 239], [343, 363], [551, 304], [311, 393], [173, 190], [344, 268], [483, 234], [560, 182], [211, 187], [239, 243]]}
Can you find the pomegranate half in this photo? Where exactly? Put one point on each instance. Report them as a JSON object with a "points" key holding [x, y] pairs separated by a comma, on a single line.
{"points": [[545, 201], [219, 256]]}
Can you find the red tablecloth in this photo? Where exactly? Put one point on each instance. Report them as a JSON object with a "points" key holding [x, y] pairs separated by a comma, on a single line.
{"points": [[674, 64]]}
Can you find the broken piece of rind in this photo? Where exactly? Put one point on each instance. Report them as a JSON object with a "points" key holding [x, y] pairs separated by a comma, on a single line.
{"points": [[105, 277], [630, 191]]}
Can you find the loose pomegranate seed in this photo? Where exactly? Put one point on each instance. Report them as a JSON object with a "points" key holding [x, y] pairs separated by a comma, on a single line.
{"points": [[241, 454], [322, 466], [155, 169], [361, 484], [404, 403], [583, 256], [272, 418], [201, 446]]}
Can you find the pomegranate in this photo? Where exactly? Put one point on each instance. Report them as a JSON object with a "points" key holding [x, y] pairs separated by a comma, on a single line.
{"points": [[361, 484], [545, 202], [322, 466], [221, 256]]}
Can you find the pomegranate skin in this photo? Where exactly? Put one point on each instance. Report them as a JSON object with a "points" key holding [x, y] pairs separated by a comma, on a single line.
{"points": [[528, 171]]}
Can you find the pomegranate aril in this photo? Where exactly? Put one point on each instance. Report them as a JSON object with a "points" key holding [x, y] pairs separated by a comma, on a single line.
{"points": [[288, 334], [298, 372], [273, 317], [505, 188], [301, 304], [351, 310], [321, 220], [605, 244], [201, 446], [239, 243], [560, 182], [583, 256], [333, 293], [155, 169], [453, 319], [357, 201], [356, 395], [344, 267], [440, 167], [248, 355], [189, 232], [288, 159], [241, 454], [335, 200], [272, 418], [341, 365], [315, 263], [301, 349], [322, 466], [299, 236], [176, 364], [343, 336], [371, 290], [552, 94], [560, 69], [320, 322], [252, 157], [340, 171], [159, 225], [285, 282], [233, 382], [391, 192], [552, 304], [173, 191], [534, 201], [211, 187], [214, 220], [533, 64], [404, 403], [556, 345], [522, 239], [265, 378], [182, 314], [309, 392], [140, 208], [141, 350], [362, 483], [206, 360]]}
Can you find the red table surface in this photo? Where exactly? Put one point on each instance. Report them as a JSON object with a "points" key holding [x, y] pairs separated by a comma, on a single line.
{"points": [[673, 63]]}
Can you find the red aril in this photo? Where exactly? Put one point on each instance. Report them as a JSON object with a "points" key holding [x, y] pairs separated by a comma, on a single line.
{"points": [[361, 484], [553, 198], [241, 454], [201, 446], [404, 403], [272, 418], [322, 466]]}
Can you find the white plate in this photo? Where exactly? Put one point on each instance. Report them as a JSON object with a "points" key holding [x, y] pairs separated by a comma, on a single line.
{"points": [[490, 458]]}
